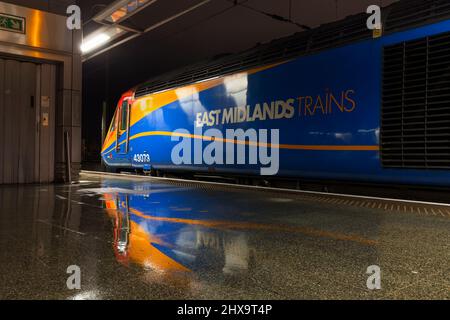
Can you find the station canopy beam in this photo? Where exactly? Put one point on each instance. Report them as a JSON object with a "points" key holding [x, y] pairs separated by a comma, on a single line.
{"points": [[113, 26]]}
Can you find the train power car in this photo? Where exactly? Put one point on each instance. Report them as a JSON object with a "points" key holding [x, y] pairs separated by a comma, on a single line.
{"points": [[339, 102]]}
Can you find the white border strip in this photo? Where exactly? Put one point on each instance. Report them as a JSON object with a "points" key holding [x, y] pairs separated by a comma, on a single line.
{"points": [[236, 186]]}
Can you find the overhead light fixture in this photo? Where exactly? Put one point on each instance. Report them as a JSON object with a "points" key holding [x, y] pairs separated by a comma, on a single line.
{"points": [[94, 42], [112, 18], [121, 10]]}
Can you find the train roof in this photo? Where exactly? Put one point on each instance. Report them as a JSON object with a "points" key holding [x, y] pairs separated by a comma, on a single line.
{"points": [[396, 17]]}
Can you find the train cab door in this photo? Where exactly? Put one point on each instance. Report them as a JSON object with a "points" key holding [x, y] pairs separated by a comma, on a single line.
{"points": [[123, 129]]}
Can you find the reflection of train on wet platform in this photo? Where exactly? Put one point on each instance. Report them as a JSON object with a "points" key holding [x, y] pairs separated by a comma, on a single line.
{"points": [[155, 233], [348, 105]]}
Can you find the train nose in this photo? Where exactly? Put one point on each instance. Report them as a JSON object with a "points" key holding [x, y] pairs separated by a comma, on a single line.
{"points": [[106, 157]]}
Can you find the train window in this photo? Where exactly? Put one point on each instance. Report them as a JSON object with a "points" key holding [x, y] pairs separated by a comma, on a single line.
{"points": [[124, 116], [113, 123]]}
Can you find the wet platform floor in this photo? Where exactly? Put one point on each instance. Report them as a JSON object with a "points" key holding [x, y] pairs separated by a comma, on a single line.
{"points": [[135, 238]]}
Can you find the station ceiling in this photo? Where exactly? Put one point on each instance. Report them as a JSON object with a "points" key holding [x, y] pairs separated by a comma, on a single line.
{"points": [[218, 27], [238, 24]]}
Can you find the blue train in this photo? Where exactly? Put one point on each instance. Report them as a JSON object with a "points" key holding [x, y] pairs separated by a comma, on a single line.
{"points": [[334, 103]]}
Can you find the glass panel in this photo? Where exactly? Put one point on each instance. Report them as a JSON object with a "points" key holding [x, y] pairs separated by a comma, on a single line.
{"points": [[124, 116], [112, 126], [125, 9]]}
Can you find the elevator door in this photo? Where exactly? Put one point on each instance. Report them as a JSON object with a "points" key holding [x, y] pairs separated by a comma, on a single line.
{"points": [[27, 107]]}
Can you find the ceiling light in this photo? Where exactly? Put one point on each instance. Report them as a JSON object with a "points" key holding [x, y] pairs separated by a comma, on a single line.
{"points": [[94, 42]]}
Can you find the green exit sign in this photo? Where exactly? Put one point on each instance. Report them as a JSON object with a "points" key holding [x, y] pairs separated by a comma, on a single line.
{"points": [[12, 23]]}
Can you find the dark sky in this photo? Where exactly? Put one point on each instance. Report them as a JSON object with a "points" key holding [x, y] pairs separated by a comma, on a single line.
{"points": [[218, 27]]}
